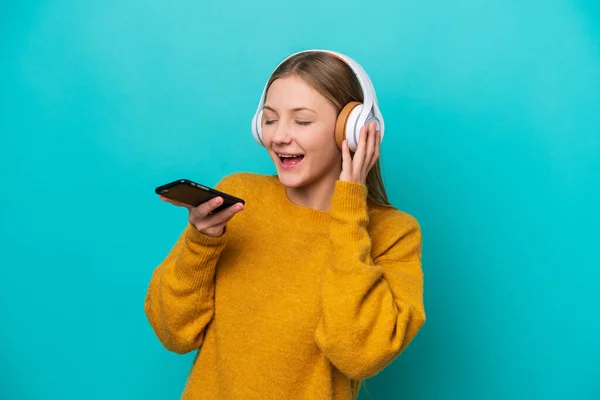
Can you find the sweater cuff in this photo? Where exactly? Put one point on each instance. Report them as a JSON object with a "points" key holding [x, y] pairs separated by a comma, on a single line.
{"points": [[194, 235], [199, 257], [350, 241], [349, 199]]}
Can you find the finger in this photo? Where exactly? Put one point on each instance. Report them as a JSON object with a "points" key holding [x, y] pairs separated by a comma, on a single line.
{"points": [[225, 215], [207, 207], [220, 218], [377, 150], [346, 159], [370, 147], [359, 155]]}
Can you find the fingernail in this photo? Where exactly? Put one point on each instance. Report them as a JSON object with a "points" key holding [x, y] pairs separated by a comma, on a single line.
{"points": [[239, 206], [218, 200]]}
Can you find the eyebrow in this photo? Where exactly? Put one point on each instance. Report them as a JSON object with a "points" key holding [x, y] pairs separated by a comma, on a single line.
{"points": [[293, 109]]}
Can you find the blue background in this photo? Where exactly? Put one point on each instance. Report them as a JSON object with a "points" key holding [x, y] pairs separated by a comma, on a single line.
{"points": [[492, 141]]}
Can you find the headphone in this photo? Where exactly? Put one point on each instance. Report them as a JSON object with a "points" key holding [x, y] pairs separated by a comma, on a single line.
{"points": [[353, 116]]}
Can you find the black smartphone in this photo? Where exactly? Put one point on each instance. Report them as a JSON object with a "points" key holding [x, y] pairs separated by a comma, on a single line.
{"points": [[194, 194]]}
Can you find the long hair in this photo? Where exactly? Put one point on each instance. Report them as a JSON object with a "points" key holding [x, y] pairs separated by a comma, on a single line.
{"points": [[335, 80]]}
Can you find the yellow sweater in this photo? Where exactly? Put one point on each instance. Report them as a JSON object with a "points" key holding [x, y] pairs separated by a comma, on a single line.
{"points": [[290, 302]]}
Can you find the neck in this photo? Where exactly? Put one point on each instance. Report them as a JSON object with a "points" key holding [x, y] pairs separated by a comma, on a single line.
{"points": [[316, 195]]}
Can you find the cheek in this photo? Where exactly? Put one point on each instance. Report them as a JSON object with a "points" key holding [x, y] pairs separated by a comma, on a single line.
{"points": [[267, 135], [321, 144]]}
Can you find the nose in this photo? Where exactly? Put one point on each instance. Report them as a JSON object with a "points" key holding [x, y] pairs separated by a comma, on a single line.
{"points": [[281, 133]]}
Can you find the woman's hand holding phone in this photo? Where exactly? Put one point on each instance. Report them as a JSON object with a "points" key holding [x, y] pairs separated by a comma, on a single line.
{"points": [[201, 218]]}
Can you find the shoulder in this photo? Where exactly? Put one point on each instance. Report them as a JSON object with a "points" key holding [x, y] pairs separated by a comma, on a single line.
{"points": [[394, 231], [386, 218]]}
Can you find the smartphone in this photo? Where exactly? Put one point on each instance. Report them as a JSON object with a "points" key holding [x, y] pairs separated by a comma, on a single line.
{"points": [[194, 194]]}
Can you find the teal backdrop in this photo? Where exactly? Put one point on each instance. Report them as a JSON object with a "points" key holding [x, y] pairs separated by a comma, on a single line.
{"points": [[493, 143]]}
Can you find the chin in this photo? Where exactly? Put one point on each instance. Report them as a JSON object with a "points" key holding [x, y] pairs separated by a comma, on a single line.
{"points": [[291, 180]]}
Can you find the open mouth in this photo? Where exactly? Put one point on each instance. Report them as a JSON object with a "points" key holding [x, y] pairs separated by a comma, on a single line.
{"points": [[290, 160]]}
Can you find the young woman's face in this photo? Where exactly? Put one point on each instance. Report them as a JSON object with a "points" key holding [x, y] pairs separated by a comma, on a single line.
{"points": [[298, 131]]}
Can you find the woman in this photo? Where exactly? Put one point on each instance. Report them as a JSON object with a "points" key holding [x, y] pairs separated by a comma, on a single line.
{"points": [[316, 283]]}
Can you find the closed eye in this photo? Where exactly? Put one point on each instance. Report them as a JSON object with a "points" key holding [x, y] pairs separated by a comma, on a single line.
{"points": [[272, 121]]}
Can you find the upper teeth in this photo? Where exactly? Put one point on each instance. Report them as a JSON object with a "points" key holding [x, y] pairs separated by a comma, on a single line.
{"points": [[288, 155]]}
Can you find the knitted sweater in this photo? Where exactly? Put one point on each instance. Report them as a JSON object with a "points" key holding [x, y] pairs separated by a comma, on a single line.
{"points": [[290, 302]]}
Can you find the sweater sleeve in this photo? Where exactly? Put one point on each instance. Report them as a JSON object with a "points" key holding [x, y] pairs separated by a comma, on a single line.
{"points": [[179, 301], [370, 308]]}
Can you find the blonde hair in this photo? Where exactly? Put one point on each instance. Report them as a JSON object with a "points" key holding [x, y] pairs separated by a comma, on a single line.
{"points": [[334, 79]]}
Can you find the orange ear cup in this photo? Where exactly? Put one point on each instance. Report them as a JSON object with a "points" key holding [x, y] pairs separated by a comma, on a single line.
{"points": [[342, 119]]}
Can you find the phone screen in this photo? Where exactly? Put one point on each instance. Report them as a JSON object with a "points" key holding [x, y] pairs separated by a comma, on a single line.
{"points": [[193, 196], [187, 194]]}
